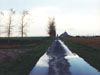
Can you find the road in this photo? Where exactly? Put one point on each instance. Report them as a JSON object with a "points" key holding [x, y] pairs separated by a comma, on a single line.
{"points": [[59, 60]]}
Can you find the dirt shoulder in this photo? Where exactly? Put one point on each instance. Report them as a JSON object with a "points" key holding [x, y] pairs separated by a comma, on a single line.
{"points": [[9, 54]]}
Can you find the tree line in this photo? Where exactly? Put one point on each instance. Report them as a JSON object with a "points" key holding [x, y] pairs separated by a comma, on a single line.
{"points": [[23, 23]]}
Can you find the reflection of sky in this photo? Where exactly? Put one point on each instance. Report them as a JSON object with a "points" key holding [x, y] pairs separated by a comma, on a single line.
{"points": [[75, 16], [80, 67], [41, 68], [43, 62]]}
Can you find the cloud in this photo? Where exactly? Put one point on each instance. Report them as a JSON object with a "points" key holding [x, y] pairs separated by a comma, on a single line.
{"points": [[74, 23], [78, 23], [43, 10], [40, 19]]}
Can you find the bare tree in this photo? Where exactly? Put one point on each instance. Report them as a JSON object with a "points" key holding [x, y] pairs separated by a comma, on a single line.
{"points": [[23, 24], [51, 27], [10, 26]]}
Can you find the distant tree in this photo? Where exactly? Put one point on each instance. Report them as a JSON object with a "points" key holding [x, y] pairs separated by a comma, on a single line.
{"points": [[51, 27], [23, 24], [9, 25]]}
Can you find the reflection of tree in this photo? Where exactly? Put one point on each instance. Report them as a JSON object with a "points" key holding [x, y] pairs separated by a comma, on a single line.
{"points": [[59, 66]]}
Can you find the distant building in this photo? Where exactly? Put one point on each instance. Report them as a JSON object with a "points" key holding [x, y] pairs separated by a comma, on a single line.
{"points": [[65, 34]]}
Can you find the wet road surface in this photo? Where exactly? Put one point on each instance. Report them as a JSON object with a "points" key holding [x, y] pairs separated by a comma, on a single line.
{"points": [[59, 60]]}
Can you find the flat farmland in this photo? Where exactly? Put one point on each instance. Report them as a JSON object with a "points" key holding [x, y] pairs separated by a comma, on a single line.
{"points": [[90, 41], [19, 55]]}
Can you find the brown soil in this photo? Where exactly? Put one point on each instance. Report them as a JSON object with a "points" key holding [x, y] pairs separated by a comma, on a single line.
{"points": [[13, 45], [8, 46], [91, 41], [8, 54]]}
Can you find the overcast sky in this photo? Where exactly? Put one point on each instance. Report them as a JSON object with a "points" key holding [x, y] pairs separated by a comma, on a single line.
{"points": [[77, 17]]}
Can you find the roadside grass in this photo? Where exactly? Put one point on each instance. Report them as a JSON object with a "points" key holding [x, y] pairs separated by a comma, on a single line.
{"points": [[88, 53], [24, 63]]}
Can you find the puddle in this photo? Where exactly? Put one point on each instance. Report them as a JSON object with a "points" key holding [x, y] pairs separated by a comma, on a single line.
{"points": [[59, 60]]}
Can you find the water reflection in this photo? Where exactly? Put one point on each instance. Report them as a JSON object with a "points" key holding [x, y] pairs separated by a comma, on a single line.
{"points": [[59, 60], [81, 67], [58, 65], [58, 49], [41, 68]]}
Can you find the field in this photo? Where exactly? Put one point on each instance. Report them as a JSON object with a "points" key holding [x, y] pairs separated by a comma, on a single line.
{"points": [[87, 48], [19, 56], [90, 41]]}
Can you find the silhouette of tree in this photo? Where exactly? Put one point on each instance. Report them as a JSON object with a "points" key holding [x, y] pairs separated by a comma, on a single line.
{"points": [[51, 27], [23, 24], [9, 25]]}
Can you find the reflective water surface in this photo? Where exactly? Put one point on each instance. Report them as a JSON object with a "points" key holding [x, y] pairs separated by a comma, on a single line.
{"points": [[81, 67], [59, 60], [41, 68]]}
